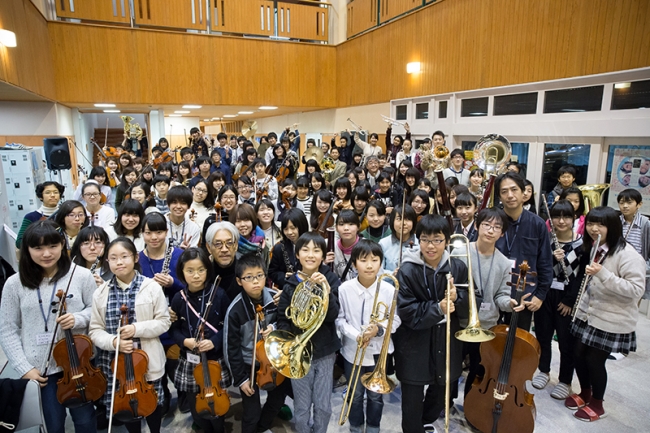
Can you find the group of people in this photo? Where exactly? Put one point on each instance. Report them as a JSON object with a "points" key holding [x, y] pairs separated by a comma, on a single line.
{"points": [[154, 241]]}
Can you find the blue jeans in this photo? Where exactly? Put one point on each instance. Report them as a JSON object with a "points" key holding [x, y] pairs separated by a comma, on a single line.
{"points": [[55, 413], [374, 403]]}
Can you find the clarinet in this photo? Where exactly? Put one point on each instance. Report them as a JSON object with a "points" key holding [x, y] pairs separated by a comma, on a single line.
{"points": [[586, 278], [168, 259], [556, 242], [287, 262], [94, 266]]}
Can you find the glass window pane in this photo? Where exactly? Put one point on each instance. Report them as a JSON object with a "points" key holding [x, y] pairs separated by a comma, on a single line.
{"points": [[422, 110], [573, 100], [400, 112], [523, 103], [474, 107], [442, 110], [631, 172], [558, 155], [631, 95]]}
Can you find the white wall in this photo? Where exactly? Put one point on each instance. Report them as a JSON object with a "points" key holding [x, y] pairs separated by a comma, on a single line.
{"points": [[28, 118], [176, 125]]}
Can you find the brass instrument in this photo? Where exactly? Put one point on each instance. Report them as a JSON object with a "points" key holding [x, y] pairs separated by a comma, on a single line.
{"points": [[593, 194], [291, 354], [314, 152], [327, 165], [391, 121], [377, 381], [356, 127], [586, 278], [133, 131], [492, 154], [249, 128]]}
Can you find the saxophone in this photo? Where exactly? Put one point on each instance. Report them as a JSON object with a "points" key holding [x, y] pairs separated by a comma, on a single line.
{"points": [[168, 259]]}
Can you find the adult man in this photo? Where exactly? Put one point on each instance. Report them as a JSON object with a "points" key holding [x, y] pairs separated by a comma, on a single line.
{"points": [[200, 143], [525, 239], [345, 151], [372, 169], [221, 241], [339, 166]]}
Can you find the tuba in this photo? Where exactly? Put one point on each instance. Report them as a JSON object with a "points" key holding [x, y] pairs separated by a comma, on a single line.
{"points": [[327, 165], [291, 354], [491, 154], [593, 194], [132, 130]]}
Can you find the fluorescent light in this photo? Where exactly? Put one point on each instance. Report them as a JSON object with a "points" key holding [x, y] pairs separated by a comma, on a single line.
{"points": [[175, 115], [215, 118], [268, 107], [112, 111], [246, 112], [192, 107], [622, 85], [413, 68], [181, 112], [206, 120], [229, 115], [105, 105], [7, 38]]}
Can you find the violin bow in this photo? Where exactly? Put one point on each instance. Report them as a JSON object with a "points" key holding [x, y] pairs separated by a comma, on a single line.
{"points": [[117, 357], [106, 134], [401, 232], [202, 319]]}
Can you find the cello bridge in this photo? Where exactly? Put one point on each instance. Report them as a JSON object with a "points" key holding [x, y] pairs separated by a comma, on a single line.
{"points": [[499, 396]]}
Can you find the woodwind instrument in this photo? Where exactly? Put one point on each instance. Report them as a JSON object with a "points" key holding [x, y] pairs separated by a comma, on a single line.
{"points": [[168, 258], [330, 243], [556, 242], [587, 278]]}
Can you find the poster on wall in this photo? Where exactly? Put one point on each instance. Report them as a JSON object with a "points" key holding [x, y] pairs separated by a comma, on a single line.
{"points": [[631, 169]]}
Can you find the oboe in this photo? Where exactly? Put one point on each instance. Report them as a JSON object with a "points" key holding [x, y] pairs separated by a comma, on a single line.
{"points": [[556, 242], [586, 278]]}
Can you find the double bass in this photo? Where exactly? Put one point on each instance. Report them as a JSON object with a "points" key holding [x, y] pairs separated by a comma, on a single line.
{"points": [[499, 402]]}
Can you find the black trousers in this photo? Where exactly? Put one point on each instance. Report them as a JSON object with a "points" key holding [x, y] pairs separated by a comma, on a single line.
{"points": [[475, 367], [419, 408], [153, 421], [257, 418], [591, 370], [524, 319]]}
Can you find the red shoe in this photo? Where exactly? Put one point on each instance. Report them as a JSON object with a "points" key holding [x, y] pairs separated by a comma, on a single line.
{"points": [[587, 414], [574, 401]]}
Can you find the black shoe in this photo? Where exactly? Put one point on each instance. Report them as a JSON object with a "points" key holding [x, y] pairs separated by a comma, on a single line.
{"points": [[183, 402], [165, 405]]}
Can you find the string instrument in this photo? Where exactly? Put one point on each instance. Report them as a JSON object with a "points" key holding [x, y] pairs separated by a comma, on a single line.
{"points": [[499, 402], [192, 214], [127, 195], [211, 400], [242, 172], [285, 200], [283, 171], [103, 158], [136, 398], [217, 208], [263, 190], [82, 383], [363, 218], [267, 377], [163, 158], [326, 220], [446, 204], [113, 152]]}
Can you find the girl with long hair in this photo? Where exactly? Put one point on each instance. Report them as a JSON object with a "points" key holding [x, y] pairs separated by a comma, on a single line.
{"points": [[89, 250], [128, 223], [71, 217], [406, 231], [129, 176], [293, 224]]}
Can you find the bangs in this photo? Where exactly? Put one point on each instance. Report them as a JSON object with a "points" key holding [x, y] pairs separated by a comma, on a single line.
{"points": [[92, 233], [42, 234], [155, 221], [132, 207], [597, 215], [562, 208]]}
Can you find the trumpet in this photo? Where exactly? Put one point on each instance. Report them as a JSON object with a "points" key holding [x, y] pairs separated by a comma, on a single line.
{"points": [[378, 380], [356, 127], [392, 121]]}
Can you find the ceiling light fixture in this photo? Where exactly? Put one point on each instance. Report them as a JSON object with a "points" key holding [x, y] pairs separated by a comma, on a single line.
{"points": [[175, 115], [622, 85], [105, 105], [206, 120], [111, 111], [192, 107], [182, 112], [268, 107], [246, 112], [413, 68], [7, 38], [229, 115], [215, 118]]}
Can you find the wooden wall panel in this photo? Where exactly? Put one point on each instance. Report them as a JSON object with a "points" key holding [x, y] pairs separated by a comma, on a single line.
{"points": [[389, 9], [183, 14], [301, 21], [362, 15], [473, 44], [253, 17], [114, 11], [29, 65], [173, 68]]}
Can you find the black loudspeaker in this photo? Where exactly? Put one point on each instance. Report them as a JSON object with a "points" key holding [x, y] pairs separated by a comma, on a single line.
{"points": [[57, 153]]}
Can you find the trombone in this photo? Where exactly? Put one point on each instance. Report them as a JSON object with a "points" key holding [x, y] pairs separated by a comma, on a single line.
{"points": [[356, 127], [377, 381], [392, 121]]}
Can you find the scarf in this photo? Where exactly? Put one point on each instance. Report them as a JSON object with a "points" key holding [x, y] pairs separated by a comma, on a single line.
{"points": [[255, 244], [347, 250]]}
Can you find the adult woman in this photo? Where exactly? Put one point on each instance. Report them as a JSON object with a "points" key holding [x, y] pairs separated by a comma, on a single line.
{"points": [[100, 215], [343, 191], [377, 227], [27, 322], [251, 237], [49, 193], [606, 315], [89, 251], [128, 177], [202, 203], [283, 262], [128, 224], [400, 229], [98, 174], [148, 318], [71, 217], [265, 212], [320, 205], [369, 148]]}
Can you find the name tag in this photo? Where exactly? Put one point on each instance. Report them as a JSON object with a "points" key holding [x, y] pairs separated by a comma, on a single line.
{"points": [[557, 285], [43, 339], [486, 306], [513, 263], [136, 345], [193, 359]]}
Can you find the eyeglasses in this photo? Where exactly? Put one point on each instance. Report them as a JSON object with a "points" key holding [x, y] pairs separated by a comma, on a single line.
{"points": [[95, 243], [436, 242], [251, 278], [488, 227], [50, 192], [75, 216], [192, 272], [243, 188], [219, 244], [123, 259], [91, 194], [228, 197], [202, 191]]}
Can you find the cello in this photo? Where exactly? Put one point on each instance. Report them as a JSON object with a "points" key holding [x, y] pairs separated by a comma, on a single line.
{"points": [[211, 400], [267, 376], [499, 402]]}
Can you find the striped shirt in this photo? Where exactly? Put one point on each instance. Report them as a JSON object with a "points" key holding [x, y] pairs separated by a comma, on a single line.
{"points": [[633, 234]]}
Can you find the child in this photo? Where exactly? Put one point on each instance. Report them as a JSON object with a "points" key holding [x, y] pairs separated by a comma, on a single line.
{"points": [[574, 196], [476, 178], [128, 223], [204, 164], [191, 305], [606, 316], [288, 192], [148, 318], [245, 188], [89, 251], [457, 167], [355, 325], [395, 243], [377, 227], [303, 195], [264, 181], [347, 227], [420, 349], [219, 165], [238, 343], [636, 227], [313, 391], [419, 201], [317, 183], [184, 173], [251, 236], [320, 205], [202, 203], [266, 221], [554, 316], [129, 176], [141, 192], [343, 191], [183, 232], [283, 263], [566, 177], [386, 192], [529, 197], [466, 207], [359, 199], [161, 184]]}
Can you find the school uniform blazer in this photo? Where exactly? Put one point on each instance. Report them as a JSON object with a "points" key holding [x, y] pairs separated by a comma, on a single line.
{"points": [[152, 319]]}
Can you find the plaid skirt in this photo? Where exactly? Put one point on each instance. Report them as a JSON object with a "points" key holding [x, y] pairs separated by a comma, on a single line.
{"points": [[184, 376], [607, 341], [106, 398]]}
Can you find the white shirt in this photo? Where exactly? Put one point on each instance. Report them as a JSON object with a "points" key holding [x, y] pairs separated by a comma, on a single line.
{"points": [[112, 235], [178, 232], [271, 186], [368, 149], [268, 155], [201, 213], [103, 218], [356, 307]]}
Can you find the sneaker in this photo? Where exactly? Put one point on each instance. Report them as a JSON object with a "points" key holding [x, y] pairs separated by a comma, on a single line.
{"points": [[429, 428], [541, 380], [561, 391], [615, 357]]}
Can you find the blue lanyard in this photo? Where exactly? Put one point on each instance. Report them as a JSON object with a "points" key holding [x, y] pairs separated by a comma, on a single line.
{"points": [[511, 244], [40, 304], [480, 274]]}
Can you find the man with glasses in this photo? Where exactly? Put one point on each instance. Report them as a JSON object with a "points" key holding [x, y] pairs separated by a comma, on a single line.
{"points": [[221, 241], [50, 194], [420, 341]]}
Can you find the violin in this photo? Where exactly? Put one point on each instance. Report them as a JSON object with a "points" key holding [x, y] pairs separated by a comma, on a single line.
{"points": [[283, 171], [136, 398], [285, 200], [242, 172], [363, 218], [82, 383], [499, 402], [211, 400], [192, 214], [217, 208], [326, 220], [113, 152], [163, 158], [267, 377], [264, 189]]}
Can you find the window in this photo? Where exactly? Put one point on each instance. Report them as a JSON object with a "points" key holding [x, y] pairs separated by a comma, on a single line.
{"points": [[422, 110], [558, 155], [442, 110], [474, 107], [400, 112], [574, 100], [523, 103], [628, 96]]}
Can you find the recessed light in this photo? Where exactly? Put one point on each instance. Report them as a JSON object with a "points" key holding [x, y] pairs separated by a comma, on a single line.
{"points": [[246, 112], [111, 111], [268, 107], [104, 105], [192, 107], [215, 118], [230, 115], [7, 38], [175, 115], [181, 112]]}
